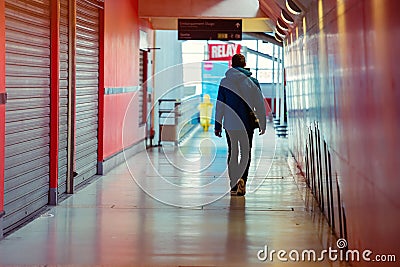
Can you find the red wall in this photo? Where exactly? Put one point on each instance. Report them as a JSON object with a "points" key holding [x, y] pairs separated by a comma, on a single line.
{"points": [[121, 43], [343, 76], [121, 67], [121, 123]]}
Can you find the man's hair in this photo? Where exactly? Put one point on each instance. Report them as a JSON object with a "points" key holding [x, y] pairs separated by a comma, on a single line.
{"points": [[238, 60]]}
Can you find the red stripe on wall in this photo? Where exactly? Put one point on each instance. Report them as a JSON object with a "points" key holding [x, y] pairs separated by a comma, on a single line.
{"points": [[54, 95], [2, 107]]}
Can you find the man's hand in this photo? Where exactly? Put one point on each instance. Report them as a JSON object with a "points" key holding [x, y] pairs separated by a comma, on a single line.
{"points": [[218, 133], [261, 132]]}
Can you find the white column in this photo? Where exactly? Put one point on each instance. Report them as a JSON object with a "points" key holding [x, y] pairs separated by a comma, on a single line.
{"points": [[273, 77], [282, 93], [277, 89]]}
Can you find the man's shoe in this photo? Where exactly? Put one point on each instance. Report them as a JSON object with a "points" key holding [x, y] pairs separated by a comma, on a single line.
{"points": [[241, 189], [234, 190]]}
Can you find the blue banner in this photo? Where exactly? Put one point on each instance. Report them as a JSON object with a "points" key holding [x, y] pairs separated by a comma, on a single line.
{"points": [[211, 73]]}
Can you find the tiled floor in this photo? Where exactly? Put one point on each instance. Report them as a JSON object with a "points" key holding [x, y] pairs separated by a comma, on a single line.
{"points": [[169, 207]]}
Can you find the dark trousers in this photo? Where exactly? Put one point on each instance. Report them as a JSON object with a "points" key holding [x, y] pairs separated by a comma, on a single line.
{"points": [[239, 144]]}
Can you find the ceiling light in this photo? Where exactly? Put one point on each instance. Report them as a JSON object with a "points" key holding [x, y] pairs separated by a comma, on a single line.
{"points": [[281, 24], [279, 34], [286, 17], [292, 7], [278, 38]]}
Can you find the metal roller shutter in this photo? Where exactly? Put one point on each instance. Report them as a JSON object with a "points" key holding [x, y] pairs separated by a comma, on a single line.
{"points": [[27, 110], [142, 93], [63, 103], [87, 83], [141, 81]]}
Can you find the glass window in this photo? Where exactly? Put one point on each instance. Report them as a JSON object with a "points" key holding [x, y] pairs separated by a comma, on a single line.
{"points": [[193, 47], [265, 48], [264, 75], [278, 76], [264, 63], [253, 73], [251, 61], [188, 58], [252, 44]]}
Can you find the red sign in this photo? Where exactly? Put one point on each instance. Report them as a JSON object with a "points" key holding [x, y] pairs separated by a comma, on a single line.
{"points": [[223, 51]]}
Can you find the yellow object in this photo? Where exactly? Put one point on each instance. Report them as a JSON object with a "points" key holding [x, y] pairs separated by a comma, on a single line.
{"points": [[205, 109]]}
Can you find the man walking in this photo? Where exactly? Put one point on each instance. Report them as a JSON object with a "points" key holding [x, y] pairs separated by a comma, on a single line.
{"points": [[239, 96]]}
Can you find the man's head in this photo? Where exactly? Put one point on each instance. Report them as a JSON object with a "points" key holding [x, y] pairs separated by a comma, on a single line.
{"points": [[238, 60]]}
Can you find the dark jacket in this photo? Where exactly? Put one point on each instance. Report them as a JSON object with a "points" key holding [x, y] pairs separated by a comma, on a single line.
{"points": [[238, 94]]}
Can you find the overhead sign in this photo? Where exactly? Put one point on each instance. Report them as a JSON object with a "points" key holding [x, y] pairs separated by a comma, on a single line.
{"points": [[209, 29], [223, 52]]}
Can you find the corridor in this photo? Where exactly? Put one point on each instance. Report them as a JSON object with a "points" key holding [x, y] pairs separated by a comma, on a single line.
{"points": [[174, 209]]}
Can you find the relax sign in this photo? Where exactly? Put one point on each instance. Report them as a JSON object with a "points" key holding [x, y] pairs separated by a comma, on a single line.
{"points": [[223, 51]]}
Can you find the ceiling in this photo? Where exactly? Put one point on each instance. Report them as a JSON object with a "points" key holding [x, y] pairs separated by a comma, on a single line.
{"points": [[259, 16], [163, 14]]}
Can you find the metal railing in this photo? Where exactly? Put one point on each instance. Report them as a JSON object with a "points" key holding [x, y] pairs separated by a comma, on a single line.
{"points": [[177, 118]]}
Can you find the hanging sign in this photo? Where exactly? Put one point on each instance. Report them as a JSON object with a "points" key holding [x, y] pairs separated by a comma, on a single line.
{"points": [[209, 29]]}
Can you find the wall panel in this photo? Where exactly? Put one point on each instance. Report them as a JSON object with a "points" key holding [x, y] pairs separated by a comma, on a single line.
{"points": [[342, 77], [121, 78], [27, 137], [87, 88]]}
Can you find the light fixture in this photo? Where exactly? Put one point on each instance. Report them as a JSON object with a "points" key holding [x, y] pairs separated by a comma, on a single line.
{"points": [[286, 17], [281, 24], [278, 38], [292, 7], [280, 34]]}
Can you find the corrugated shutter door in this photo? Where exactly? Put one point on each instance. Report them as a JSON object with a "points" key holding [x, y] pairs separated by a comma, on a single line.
{"points": [[87, 83], [142, 94], [141, 81], [27, 109], [63, 113]]}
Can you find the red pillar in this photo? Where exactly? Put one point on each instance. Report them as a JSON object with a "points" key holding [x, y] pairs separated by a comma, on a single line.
{"points": [[100, 149], [54, 99], [2, 106]]}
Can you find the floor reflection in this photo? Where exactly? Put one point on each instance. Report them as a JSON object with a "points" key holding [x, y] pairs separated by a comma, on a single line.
{"points": [[236, 240]]}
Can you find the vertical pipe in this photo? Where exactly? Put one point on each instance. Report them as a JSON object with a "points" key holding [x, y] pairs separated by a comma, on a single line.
{"points": [[101, 96], [339, 208], [312, 150], [277, 85], [328, 193], [344, 224], [282, 93], [331, 191], [317, 165], [257, 60], [273, 79], [2, 107], [71, 94], [54, 98], [307, 167], [321, 184]]}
